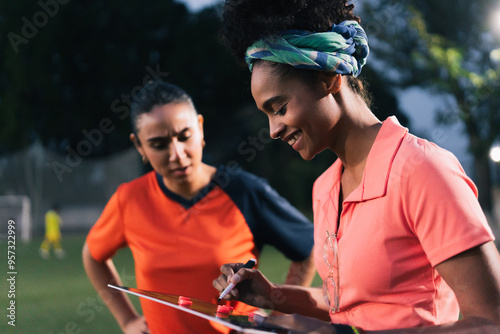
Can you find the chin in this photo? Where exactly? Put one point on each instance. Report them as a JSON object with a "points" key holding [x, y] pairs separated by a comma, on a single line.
{"points": [[310, 154], [307, 156]]}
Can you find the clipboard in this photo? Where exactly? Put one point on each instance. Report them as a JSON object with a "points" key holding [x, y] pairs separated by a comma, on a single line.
{"points": [[235, 320]]}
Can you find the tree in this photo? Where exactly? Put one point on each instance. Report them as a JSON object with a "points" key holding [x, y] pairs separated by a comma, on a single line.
{"points": [[446, 47], [69, 72]]}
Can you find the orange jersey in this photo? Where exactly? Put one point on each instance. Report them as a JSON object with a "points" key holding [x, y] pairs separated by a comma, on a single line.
{"points": [[179, 245]]}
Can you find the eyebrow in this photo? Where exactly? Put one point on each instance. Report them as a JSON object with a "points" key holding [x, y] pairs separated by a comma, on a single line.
{"points": [[157, 138], [275, 99], [165, 137]]}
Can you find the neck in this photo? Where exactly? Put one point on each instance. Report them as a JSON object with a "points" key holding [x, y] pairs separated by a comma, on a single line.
{"points": [[355, 134], [357, 144]]}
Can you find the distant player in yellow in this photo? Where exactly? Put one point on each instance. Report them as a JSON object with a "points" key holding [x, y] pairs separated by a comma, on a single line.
{"points": [[52, 234]]}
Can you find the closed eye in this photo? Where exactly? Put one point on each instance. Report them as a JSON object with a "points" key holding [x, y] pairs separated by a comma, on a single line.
{"points": [[281, 111], [158, 144], [184, 135]]}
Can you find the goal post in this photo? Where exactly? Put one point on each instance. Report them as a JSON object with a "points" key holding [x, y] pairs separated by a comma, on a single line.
{"points": [[18, 209]]}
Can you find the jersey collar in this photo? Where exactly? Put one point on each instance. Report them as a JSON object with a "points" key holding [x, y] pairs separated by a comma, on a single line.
{"points": [[187, 203]]}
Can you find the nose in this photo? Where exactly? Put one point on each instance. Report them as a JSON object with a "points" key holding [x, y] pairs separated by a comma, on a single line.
{"points": [[275, 128], [176, 151]]}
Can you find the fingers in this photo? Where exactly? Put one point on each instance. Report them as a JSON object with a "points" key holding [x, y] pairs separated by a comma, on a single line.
{"points": [[145, 328], [221, 282], [231, 273], [137, 326], [241, 275], [229, 269]]}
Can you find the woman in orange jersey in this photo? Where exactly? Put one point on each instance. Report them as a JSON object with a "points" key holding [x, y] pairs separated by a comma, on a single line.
{"points": [[184, 219]]}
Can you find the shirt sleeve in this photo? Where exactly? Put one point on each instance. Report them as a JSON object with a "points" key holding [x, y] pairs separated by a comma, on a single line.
{"points": [[442, 206], [107, 235], [281, 225]]}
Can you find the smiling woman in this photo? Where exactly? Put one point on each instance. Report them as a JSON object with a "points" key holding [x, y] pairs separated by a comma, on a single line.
{"points": [[287, 104], [390, 214]]}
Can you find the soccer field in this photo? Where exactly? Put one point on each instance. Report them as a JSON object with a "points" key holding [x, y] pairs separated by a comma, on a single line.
{"points": [[54, 296]]}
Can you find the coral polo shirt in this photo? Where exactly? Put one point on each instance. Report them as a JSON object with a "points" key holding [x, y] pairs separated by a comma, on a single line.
{"points": [[414, 208]]}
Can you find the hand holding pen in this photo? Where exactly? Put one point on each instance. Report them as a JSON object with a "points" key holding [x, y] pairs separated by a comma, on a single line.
{"points": [[249, 265], [251, 287]]}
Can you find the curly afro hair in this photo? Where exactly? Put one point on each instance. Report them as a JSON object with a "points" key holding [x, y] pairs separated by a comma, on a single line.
{"points": [[246, 21]]}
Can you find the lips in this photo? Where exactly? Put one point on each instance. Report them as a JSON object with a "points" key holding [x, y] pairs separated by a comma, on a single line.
{"points": [[179, 170], [292, 138]]}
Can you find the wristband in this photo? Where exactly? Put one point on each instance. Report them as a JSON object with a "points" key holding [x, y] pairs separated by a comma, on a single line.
{"points": [[346, 329]]}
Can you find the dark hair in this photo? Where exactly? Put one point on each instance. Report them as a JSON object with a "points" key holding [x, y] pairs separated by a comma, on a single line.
{"points": [[246, 21], [153, 94]]}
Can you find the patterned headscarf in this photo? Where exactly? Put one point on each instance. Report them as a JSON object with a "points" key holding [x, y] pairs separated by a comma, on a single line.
{"points": [[342, 50]]}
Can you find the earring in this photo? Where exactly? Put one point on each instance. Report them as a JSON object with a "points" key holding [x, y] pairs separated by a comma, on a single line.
{"points": [[144, 160]]}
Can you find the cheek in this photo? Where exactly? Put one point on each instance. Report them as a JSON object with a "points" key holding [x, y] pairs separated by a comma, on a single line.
{"points": [[195, 147], [317, 127], [197, 150], [323, 117], [158, 157]]}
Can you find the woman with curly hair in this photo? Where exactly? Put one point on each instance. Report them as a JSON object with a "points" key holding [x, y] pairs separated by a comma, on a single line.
{"points": [[401, 241]]}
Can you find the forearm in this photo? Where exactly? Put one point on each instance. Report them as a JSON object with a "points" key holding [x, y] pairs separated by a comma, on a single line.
{"points": [[100, 275], [306, 301], [301, 272]]}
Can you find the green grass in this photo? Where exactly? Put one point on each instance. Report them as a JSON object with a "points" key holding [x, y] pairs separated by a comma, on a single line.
{"points": [[54, 296]]}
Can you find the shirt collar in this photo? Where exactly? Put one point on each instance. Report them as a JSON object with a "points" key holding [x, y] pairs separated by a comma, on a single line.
{"points": [[377, 168], [379, 161]]}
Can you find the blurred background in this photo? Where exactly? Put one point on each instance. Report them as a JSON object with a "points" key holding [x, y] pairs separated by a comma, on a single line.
{"points": [[68, 70]]}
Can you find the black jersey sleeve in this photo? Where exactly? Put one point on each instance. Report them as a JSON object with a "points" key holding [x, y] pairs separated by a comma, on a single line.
{"points": [[271, 218]]}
